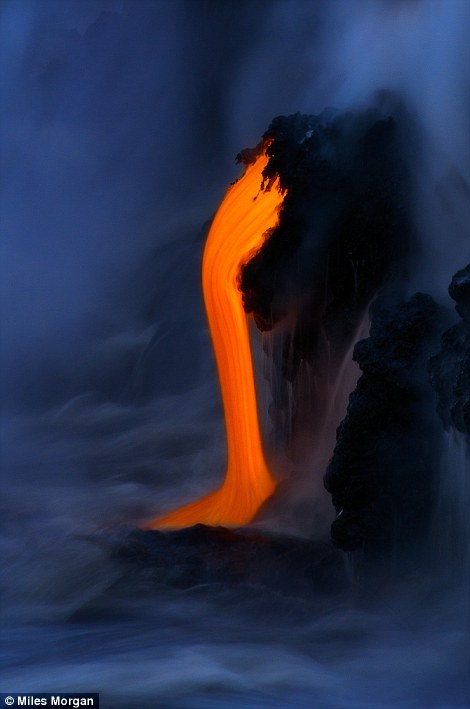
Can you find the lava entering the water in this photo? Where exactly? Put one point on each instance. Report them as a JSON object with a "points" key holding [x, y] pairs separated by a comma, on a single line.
{"points": [[237, 232]]}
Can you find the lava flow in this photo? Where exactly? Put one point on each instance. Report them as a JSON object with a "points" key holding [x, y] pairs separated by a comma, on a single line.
{"points": [[237, 232]]}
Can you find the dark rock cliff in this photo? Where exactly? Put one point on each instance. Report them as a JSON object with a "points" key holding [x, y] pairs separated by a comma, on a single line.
{"points": [[384, 466], [344, 234], [450, 368], [344, 228]]}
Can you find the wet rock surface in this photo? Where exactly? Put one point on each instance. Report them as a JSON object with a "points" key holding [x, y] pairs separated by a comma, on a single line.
{"points": [[450, 368], [344, 226], [344, 233], [383, 471], [201, 554]]}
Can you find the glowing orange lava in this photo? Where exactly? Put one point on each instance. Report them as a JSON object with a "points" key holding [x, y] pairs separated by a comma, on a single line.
{"points": [[244, 216]]}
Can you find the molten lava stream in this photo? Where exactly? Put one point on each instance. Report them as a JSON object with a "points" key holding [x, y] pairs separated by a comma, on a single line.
{"points": [[245, 214]]}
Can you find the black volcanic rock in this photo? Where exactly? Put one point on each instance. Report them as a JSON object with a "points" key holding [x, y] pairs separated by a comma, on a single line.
{"points": [[450, 368], [344, 227], [204, 555], [344, 235], [459, 290], [384, 466]]}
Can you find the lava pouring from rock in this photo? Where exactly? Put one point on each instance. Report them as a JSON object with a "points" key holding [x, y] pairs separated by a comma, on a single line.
{"points": [[247, 212]]}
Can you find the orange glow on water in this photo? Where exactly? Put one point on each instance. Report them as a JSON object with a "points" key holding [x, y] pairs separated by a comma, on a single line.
{"points": [[237, 232]]}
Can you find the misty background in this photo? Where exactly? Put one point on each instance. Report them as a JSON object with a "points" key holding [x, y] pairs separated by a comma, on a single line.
{"points": [[120, 122]]}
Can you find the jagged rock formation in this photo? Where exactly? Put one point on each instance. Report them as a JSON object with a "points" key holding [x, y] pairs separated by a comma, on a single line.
{"points": [[450, 368], [344, 234], [382, 473], [344, 226]]}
